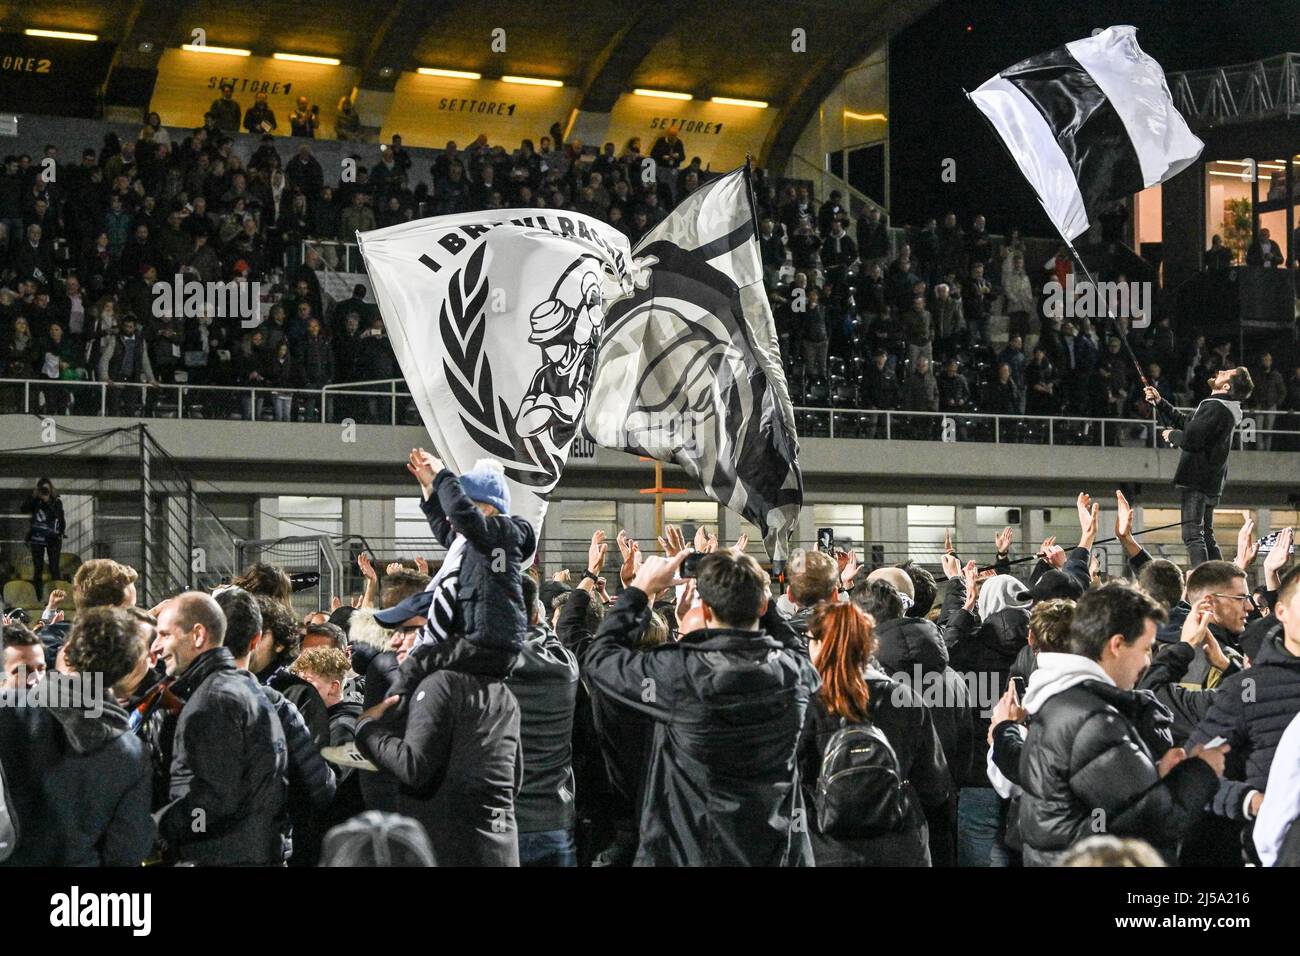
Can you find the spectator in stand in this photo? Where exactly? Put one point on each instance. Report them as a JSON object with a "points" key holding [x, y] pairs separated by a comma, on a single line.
{"points": [[952, 248], [954, 389], [918, 329], [1264, 252], [1270, 395], [358, 217], [977, 300], [347, 124], [225, 110], [814, 334], [979, 245], [304, 119], [1018, 296], [260, 118], [921, 394], [1218, 257], [1001, 396], [873, 237], [772, 248], [838, 251]]}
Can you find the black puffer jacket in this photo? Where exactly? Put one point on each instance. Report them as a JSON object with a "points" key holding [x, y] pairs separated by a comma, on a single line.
{"points": [[1092, 749], [490, 595], [1252, 710], [911, 650], [312, 784], [908, 726], [79, 785], [723, 782], [229, 770], [1164, 679]]}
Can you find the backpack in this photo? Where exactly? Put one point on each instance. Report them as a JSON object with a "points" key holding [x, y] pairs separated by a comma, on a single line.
{"points": [[861, 791], [8, 820]]}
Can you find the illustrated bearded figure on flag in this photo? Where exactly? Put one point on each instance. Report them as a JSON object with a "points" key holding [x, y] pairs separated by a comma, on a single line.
{"points": [[496, 321]]}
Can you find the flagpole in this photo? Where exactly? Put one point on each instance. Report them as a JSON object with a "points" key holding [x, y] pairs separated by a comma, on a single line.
{"points": [[1113, 321]]}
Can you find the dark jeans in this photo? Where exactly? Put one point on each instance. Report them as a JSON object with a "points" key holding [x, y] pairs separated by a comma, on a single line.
{"points": [[50, 549], [1198, 527], [548, 848]]}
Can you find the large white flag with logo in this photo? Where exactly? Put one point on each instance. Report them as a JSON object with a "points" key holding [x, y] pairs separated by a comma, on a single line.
{"points": [[690, 370], [495, 319]]}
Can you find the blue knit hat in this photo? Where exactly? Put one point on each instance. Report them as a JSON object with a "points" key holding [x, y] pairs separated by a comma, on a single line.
{"points": [[486, 482]]}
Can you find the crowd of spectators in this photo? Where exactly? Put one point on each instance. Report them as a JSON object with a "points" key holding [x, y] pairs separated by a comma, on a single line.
{"points": [[689, 711], [83, 243], [901, 320], [868, 317]]}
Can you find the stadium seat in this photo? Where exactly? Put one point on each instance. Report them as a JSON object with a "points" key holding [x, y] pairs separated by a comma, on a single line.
{"points": [[26, 569], [21, 594], [68, 564]]}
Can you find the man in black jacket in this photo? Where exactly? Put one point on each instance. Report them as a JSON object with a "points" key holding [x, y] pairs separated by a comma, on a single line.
{"points": [[1098, 756], [1252, 709], [729, 700], [455, 750], [1205, 440], [230, 762], [312, 784]]}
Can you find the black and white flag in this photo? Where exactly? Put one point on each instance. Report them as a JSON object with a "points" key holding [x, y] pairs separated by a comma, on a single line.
{"points": [[1089, 123], [689, 370], [496, 319]]}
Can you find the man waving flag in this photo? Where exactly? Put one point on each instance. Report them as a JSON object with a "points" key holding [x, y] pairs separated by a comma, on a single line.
{"points": [[690, 371], [1088, 123]]}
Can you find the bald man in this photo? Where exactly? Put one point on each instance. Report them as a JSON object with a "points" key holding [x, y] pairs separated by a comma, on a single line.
{"points": [[229, 768], [899, 580]]}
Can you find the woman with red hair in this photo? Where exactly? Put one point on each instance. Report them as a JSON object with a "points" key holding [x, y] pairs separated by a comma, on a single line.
{"points": [[874, 726]]}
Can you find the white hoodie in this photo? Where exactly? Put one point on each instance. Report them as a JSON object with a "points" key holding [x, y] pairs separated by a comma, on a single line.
{"points": [[1059, 672], [1281, 797]]}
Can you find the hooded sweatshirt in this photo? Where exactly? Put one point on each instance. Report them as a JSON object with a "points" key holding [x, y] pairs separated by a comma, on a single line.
{"points": [[82, 782], [1059, 672], [1205, 438], [1001, 592]]}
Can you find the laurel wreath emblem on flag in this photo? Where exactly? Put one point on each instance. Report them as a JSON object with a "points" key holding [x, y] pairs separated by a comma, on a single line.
{"points": [[462, 323]]}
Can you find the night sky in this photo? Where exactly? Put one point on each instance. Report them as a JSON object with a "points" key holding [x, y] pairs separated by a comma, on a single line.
{"points": [[964, 42]]}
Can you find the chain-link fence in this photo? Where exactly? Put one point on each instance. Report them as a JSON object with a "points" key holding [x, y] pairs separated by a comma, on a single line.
{"points": [[309, 560]]}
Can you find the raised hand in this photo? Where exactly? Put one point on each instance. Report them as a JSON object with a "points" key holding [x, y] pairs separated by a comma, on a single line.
{"points": [[393, 567], [951, 566], [741, 544], [423, 565], [367, 569], [1247, 546], [57, 597], [631, 558], [1196, 626], [596, 552], [1003, 541], [1123, 516], [849, 570], [1277, 559], [947, 541], [672, 543], [658, 573], [702, 538], [562, 576], [1084, 506], [423, 466]]}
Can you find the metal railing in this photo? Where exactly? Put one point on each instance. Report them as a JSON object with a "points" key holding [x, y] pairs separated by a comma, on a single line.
{"points": [[1246, 91], [389, 402], [895, 425]]}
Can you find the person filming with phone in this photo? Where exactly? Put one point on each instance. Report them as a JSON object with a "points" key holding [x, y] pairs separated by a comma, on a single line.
{"points": [[1204, 438]]}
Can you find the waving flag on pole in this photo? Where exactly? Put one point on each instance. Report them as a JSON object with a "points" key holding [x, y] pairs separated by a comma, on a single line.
{"points": [[1088, 123], [689, 370], [496, 319]]}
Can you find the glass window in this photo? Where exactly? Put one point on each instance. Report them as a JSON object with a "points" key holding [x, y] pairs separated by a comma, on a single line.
{"points": [[945, 515], [301, 515]]}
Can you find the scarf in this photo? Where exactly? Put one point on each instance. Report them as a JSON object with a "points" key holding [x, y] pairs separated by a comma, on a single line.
{"points": [[442, 607]]}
